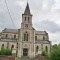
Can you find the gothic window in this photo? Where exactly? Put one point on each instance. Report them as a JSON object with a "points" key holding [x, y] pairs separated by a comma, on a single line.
{"points": [[2, 46], [26, 36], [12, 46], [14, 36], [6, 35], [7, 44], [25, 18], [46, 49], [35, 37], [37, 47], [28, 19], [43, 37]]}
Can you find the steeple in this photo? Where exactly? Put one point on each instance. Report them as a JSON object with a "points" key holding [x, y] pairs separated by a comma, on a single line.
{"points": [[27, 9]]}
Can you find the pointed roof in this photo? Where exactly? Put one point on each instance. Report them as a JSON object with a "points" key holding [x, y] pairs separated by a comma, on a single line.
{"points": [[27, 9]]}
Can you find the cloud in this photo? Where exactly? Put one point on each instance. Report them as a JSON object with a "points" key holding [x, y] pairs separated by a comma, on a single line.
{"points": [[46, 15], [50, 26], [54, 38]]}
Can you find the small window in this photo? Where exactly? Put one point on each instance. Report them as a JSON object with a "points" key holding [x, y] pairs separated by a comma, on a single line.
{"points": [[7, 44], [35, 37], [12, 47], [6, 35], [2, 46], [14, 36], [25, 18], [43, 37], [28, 19], [37, 47], [46, 49]]}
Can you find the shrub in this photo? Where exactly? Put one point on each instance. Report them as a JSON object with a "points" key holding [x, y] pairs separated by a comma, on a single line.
{"points": [[46, 54], [55, 53], [43, 53], [5, 52]]}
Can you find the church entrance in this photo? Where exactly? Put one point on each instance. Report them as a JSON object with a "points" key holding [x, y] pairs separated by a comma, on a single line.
{"points": [[25, 52]]}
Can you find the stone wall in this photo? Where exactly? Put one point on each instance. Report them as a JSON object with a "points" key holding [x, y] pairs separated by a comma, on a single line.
{"points": [[7, 57]]}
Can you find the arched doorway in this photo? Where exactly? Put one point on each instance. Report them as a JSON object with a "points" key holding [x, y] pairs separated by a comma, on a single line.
{"points": [[25, 52]]}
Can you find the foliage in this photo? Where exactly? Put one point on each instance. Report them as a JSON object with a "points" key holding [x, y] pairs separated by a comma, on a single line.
{"points": [[44, 53], [5, 52], [55, 53]]}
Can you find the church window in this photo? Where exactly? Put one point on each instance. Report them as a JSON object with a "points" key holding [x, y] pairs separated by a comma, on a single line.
{"points": [[28, 19], [7, 44], [46, 49], [37, 47], [26, 36], [25, 18], [14, 36], [12, 46], [43, 37], [2, 46], [6, 35], [35, 37]]}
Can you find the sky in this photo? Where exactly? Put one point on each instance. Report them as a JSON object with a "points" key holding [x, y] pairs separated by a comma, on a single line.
{"points": [[46, 16]]}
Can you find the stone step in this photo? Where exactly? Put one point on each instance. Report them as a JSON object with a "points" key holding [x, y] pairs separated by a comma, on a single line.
{"points": [[27, 58], [38, 58]]}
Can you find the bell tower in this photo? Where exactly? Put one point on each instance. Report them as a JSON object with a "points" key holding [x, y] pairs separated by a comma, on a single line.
{"points": [[26, 35], [27, 18]]}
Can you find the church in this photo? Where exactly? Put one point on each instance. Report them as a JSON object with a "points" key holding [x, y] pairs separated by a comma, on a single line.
{"points": [[25, 41]]}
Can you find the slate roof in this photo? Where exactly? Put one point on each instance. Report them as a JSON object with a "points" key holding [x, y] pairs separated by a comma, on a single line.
{"points": [[40, 32], [10, 30], [27, 10], [42, 41], [8, 40]]}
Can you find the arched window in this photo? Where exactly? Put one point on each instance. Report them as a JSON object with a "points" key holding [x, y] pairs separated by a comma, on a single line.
{"points": [[14, 36], [7, 44], [28, 19], [46, 49], [43, 37], [2, 46], [37, 47], [12, 46], [26, 36], [35, 37], [6, 35], [25, 18]]}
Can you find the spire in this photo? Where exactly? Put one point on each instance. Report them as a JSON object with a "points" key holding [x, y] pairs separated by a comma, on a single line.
{"points": [[27, 10]]}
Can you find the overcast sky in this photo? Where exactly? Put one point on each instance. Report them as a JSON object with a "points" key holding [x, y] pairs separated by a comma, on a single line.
{"points": [[46, 16]]}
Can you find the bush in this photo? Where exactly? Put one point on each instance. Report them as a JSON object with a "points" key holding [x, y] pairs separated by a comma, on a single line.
{"points": [[45, 54], [55, 54], [5, 52]]}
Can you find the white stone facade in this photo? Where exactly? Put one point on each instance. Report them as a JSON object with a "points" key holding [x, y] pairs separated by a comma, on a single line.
{"points": [[26, 41]]}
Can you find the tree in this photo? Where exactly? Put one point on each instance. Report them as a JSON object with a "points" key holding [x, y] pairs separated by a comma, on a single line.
{"points": [[55, 53]]}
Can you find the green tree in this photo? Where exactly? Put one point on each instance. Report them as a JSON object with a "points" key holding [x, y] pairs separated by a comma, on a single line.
{"points": [[55, 53]]}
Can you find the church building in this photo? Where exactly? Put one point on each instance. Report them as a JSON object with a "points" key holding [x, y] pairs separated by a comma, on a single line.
{"points": [[25, 41]]}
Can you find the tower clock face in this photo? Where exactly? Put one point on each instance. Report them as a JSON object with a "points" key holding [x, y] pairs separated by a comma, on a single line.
{"points": [[26, 25]]}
